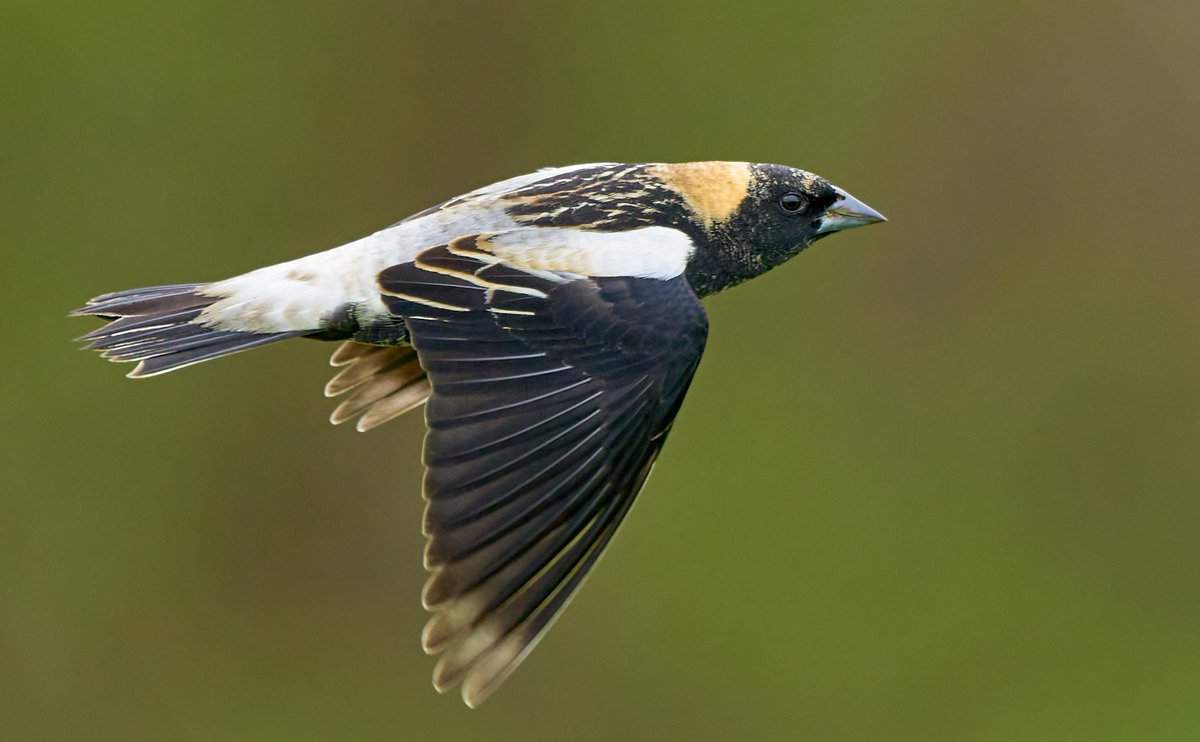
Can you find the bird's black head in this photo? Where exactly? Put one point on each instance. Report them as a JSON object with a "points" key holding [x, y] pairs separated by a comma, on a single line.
{"points": [[784, 210]]}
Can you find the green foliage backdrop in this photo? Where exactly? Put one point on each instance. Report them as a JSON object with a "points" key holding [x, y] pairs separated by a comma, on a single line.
{"points": [[936, 480]]}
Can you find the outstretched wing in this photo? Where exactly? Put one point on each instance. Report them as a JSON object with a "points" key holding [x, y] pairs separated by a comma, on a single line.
{"points": [[553, 390]]}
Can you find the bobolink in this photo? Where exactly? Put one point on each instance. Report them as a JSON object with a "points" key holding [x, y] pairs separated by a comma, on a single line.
{"points": [[550, 322]]}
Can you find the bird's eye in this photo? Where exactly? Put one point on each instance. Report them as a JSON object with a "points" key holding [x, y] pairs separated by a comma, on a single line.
{"points": [[791, 202]]}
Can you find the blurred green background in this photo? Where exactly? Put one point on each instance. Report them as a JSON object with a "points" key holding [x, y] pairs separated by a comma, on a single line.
{"points": [[936, 480]]}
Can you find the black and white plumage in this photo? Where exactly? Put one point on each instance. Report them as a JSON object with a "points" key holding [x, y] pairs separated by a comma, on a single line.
{"points": [[552, 321]]}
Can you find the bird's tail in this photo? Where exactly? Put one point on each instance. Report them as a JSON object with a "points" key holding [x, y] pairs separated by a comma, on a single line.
{"points": [[158, 327]]}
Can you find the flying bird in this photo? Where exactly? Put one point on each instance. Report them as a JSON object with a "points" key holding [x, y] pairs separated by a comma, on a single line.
{"points": [[550, 324]]}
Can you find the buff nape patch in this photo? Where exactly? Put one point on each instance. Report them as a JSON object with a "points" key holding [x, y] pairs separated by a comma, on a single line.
{"points": [[714, 190]]}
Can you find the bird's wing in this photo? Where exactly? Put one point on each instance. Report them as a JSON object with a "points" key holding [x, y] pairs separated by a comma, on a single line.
{"points": [[385, 381], [553, 390]]}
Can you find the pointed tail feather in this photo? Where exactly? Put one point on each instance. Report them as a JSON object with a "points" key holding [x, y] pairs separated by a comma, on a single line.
{"points": [[156, 326]]}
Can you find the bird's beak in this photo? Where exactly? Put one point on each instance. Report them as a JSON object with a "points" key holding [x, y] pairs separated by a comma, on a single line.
{"points": [[847, 212]]}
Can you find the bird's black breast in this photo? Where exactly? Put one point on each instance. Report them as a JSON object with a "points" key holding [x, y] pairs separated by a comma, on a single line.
{"points": [[350, 321]]}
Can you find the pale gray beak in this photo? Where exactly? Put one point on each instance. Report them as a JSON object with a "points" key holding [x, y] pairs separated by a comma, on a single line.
{"points": [[847, 212]]}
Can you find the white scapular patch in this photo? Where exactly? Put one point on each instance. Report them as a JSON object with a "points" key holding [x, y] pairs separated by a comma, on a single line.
{"points": [[649, 252]]}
